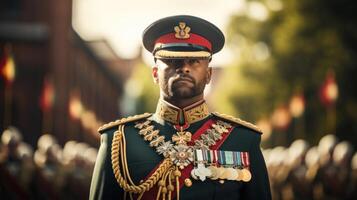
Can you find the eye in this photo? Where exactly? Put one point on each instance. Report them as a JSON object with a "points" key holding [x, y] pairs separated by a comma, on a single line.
{"points": [[170, 62], [193, 61]]}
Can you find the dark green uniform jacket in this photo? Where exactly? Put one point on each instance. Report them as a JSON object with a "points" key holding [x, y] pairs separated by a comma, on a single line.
{"points": [[142, 159]]}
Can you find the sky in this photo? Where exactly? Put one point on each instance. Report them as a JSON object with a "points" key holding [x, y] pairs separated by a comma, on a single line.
{"points": [[121, 22]]}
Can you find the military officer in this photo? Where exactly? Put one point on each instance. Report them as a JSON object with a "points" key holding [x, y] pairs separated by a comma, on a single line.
{"points": [[182, 151]]}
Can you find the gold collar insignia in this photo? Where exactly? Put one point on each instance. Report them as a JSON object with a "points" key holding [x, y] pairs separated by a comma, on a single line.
{"points": [[175, 115]]}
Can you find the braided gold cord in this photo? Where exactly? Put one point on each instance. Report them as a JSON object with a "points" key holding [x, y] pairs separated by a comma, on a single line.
{"points": [[123, 156], [163, 189], [123, 183]]}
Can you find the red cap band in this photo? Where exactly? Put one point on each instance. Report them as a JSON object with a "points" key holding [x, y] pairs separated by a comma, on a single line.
{"points": [[193, 39]]}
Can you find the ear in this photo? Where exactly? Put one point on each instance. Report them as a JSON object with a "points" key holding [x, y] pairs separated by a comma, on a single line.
{"points": [[155, 75], [208, 75]]}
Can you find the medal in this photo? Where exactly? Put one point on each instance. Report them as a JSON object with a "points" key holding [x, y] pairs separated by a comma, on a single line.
{"points": [[201, 171], [233, 174], [220, 171], [246, 175], [225, 173], [212, 159], [240, 175], [181, 137], [222, 161], [181, 155], [213, 172], [245, 171]]}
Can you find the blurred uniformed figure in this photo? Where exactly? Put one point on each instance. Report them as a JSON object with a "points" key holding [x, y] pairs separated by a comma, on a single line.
{"points": [[79, 169], [11, 140], [49, 170], [341, 167], [298, 186], [13, 156], [352, 185], [278, 171], [325, 176], [182, 151]]}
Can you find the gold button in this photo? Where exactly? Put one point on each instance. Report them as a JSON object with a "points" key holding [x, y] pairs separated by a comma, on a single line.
{"points": [[188, 182], [221, 181]]}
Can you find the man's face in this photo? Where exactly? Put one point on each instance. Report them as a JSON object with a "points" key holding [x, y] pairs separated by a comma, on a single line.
{"points": [[182, 78]]}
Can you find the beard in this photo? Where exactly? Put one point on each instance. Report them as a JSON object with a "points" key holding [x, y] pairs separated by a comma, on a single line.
{"points": [[184, 90]]}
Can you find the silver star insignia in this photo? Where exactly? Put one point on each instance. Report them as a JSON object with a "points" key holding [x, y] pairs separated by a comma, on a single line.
{"points": [[164, 148]]}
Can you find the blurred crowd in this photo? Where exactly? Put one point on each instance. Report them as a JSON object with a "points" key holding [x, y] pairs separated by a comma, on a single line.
{"points": [[326, 171], [48, 172]]}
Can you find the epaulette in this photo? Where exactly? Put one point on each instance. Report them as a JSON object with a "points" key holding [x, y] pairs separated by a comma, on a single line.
{"points": [[238, 121], [123, 121]]}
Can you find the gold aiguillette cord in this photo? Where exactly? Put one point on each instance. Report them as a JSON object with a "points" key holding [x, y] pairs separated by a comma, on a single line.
{"points": [[119, 150]]}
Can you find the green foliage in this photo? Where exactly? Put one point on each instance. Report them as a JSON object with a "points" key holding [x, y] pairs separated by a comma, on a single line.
{"points": [[305, 39], [148, 93]]}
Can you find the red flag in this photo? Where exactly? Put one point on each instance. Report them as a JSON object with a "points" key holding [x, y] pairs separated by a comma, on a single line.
{"points": [[47, 96], [7, 67], [329, 90]]}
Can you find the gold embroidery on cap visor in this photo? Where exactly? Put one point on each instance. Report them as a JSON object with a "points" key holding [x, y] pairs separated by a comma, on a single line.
{"points": [[181, 54]]}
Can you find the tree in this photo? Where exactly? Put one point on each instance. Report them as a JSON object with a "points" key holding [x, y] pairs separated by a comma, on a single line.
{"points": [[291, 50]]}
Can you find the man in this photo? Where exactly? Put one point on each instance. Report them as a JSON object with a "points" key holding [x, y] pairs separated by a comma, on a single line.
{"points": [[182, 151]]}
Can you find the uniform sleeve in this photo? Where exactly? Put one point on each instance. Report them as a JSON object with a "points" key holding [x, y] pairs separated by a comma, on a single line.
{"points": [[258, 187], [104, 184]]}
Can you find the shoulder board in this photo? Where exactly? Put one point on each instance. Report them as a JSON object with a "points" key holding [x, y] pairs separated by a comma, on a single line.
{"points": [[123, 121], [238, 121]]}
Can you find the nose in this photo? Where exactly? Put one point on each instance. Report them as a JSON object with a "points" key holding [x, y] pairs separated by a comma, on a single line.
{"points": [[184, 67]]}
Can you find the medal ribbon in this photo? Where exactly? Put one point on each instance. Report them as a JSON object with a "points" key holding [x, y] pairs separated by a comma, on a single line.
{"points": [[245, 159], [185, 173], [229, 157], [238, 159]]}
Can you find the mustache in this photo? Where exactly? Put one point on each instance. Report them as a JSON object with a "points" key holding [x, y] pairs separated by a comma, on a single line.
{"points": [[183, 77]]}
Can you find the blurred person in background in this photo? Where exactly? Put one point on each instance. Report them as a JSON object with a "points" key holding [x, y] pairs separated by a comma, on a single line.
{"points": [[312, 165], [278, 171], [79, 162], [14, 155], [297, 187], [341, 169], [325, 176], [49, 170], [10, 140], [47, 173], [352, 185]]}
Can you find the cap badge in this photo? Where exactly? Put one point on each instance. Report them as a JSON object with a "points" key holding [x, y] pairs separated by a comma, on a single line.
{"points": [[182, 31]]}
